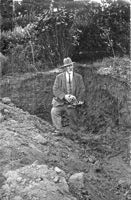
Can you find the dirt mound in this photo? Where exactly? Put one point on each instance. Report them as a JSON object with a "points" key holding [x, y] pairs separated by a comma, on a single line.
{"points": [[25, 139], [35, 164]]}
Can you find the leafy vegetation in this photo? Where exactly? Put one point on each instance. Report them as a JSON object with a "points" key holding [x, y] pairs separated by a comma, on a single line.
{"points": [[86, 32], [105, 31], [6, 15]]}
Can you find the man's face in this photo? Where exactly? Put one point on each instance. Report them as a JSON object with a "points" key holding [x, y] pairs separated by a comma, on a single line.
{"points": [[69, 68]]}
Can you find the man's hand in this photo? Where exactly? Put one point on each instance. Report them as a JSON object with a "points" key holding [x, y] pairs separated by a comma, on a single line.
{"points": [[80, 102], [69, 97]]}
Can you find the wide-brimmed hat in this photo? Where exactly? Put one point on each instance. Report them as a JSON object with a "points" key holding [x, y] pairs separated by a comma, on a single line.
{"points": [[67, 61]]}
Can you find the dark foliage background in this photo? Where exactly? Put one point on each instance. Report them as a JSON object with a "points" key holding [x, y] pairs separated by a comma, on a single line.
{"points": [[105, 31], [86, 32]]}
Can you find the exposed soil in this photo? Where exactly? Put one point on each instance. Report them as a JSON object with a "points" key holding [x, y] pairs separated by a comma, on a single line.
{"points": [[29, 151]]}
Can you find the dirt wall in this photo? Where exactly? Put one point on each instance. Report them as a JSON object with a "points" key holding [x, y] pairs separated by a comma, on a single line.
{"points": [[105, 96], [30, 92]]}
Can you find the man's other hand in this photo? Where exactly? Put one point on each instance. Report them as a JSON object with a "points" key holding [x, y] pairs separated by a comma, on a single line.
{"points": [[81, 102]]}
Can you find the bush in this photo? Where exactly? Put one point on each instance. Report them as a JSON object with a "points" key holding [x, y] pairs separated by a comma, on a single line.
{"points": [[85, 33], [19, 48], [55, 36], [48, 40], [10, 39], [17, 62], [105, 31]]}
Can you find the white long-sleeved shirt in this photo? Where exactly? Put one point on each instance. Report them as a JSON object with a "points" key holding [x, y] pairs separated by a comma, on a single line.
{"points": [[67, 81], [67, 76]]}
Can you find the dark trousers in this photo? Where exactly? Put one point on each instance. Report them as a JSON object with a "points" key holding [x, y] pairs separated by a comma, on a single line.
{"points": [[56, 115]]}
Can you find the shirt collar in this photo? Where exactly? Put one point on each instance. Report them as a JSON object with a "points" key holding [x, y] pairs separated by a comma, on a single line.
{"points": [[71, 73]]}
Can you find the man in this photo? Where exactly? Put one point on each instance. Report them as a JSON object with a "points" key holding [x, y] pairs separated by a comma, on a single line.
{"points": [[68, 87]]}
